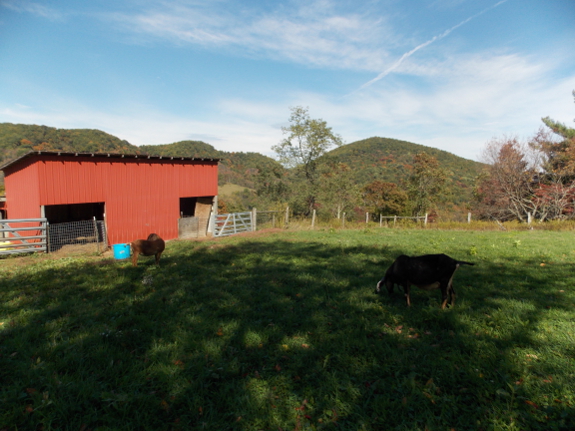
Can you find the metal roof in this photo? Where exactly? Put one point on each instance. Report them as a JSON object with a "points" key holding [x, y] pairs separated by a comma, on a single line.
{"points": [[105, 155]]}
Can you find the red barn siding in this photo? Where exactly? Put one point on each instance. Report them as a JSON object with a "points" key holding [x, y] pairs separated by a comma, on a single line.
{"points": [[140, 195], [24, 183]]}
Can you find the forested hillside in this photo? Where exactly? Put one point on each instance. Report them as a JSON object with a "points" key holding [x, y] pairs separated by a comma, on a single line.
{"points": [[236, 167], [390, 160], [18, 139]]}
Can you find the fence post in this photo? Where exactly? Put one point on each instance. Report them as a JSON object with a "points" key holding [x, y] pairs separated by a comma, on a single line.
{"points": [[380, 220], [469, 217], [48, 242], [287, 216], [96, 233], [343, 220], [274, 220], [394, 220], [425, 222], [529, 218], [366, 217], [313, 219], [254, 219]]}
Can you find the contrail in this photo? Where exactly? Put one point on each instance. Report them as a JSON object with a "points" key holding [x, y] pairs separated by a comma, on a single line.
{"points": [[423, 45]]}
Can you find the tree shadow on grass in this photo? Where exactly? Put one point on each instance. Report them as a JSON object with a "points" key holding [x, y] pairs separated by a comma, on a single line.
{"points": [[278, 335]]}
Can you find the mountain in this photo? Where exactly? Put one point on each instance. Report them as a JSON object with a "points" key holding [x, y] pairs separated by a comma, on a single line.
{"points": [[18, 139], [235, 168], [390, 160], [197, 149]]}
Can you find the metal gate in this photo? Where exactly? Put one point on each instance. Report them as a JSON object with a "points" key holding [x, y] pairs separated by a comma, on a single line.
{"points": [[229, 224], [35, 238]]}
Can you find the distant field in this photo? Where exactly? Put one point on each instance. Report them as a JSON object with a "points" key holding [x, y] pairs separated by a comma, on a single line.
{"points": [[283, 331], [229, 189]]}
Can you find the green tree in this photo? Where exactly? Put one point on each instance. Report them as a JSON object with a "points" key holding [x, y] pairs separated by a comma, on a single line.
{"points": [[272, 186], [308, 139], [382, 198], [427, 183], [338, 191], [557, 144]]}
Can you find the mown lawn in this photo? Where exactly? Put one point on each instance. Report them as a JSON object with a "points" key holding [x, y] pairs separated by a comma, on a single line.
{"points": [[283, 331]]}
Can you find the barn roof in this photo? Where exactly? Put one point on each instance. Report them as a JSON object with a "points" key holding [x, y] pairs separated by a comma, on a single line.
{"points": [[105, 156]]}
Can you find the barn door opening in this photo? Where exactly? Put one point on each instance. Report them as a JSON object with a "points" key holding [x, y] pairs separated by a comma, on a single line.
{"points": [[188, 207], [194, 216], [76, 225], [74, 212]]}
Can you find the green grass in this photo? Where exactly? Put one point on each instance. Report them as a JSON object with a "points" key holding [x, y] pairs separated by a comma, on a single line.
{"points": [[229, 189], [284, 332]]}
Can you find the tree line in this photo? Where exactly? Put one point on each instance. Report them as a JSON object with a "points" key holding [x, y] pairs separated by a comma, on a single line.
{"points": [[311, 179], [520, 180]]}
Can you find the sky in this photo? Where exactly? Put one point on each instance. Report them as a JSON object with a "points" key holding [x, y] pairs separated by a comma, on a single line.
{"points": [[448, 74]]}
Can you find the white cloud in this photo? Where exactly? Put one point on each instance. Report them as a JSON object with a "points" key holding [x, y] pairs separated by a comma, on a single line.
{"points": [[313, 34], [34, 8]]}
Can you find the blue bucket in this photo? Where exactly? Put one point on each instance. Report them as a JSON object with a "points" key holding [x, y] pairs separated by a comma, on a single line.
{"points": [[121, 251]]}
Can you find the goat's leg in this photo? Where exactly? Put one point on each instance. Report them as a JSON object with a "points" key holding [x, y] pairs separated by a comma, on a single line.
{"points": [[158, 254], [452, 290], [406, 292], [444, 295], [135, 254], [390, 286]]}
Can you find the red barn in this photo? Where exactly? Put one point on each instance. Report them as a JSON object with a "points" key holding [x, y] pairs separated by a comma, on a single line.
{"points": [[134, 194]]}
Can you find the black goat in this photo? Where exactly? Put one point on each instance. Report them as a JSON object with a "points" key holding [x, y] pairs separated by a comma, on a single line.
{"points": [[427, 272]]}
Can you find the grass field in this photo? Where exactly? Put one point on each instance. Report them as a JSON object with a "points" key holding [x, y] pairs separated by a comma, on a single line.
{"points": [[283, 331]]}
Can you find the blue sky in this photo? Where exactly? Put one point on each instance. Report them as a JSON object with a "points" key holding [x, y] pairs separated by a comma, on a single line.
{"points": [[449, 74]]}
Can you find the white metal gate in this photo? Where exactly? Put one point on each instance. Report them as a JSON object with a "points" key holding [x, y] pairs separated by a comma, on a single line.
{"points": [[34, 240], [229, 224]]}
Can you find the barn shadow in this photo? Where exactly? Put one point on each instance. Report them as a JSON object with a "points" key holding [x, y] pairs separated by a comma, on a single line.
{"points": [[271, 335]]}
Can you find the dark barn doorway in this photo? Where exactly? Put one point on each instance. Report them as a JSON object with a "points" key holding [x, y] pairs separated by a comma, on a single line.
{"points": [[188, 207], [74, 212], [76, 224]]}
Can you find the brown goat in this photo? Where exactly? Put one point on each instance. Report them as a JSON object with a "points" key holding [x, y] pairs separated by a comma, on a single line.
{"points": [[154, 245]]}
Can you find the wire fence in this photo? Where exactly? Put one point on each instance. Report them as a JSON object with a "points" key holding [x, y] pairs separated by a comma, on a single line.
{"points": [[78, 233], [285, 219]]}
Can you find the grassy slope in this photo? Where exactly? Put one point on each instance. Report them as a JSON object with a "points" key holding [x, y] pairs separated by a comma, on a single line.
{"points": [[229, 189], [283, 331]]}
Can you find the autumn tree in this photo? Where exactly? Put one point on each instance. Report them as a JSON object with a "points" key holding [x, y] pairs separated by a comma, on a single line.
{"points": [[535, 179], [382, 198], [556, 144], [307, 140], [507, 188], [427, 183]]}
